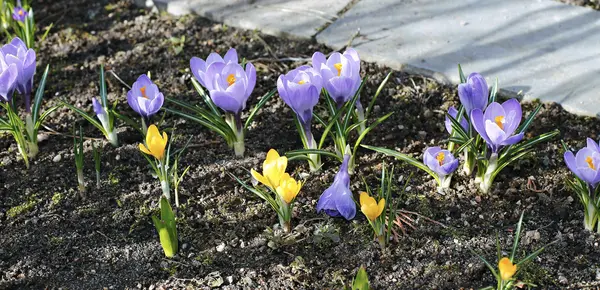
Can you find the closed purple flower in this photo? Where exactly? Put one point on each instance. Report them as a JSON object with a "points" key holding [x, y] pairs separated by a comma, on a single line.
{"points": [[340, 73], [17, 53], [199, 66], [300, 89], [337, 199], [498, 124], [586, 164], [474, 93], [454, 113], [228, 84], [8, 80], [440, 161], [98, 109], [19, 14], [144, 97]]}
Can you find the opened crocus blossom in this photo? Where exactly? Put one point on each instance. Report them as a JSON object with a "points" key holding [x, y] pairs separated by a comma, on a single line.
{"points": [[300, 89], [586, 166], [442, 162], [273, 170], [337, 199], [19, 13], [497, 127], [229, 86], [145, 98], [474, 93], [506, 268], [340, 73], [8, 80], [17, 53], [371, 208], [288, 188]]}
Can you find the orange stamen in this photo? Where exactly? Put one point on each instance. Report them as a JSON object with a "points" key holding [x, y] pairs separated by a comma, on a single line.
{"points": [[301, 82], [231, 79], [590, 162], [143, 90], [500, 121], [338, 66], [440, 158]]}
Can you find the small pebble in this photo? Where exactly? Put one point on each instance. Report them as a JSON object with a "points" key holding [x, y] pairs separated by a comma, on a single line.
{"points": [[221, 247], [57, 158]]}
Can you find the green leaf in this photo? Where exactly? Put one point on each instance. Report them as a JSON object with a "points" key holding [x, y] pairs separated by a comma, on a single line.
{"points": [[367, 130], [461, 75], [103, 94], [39, 93], [361, 281], [517, 238], [227, 134], [166, 227], [492, 269], [205, 97], [529, 119], [349, 106], [379, 89], [493, 92], [305, 152], [405, 158], [131, 123], [89, 118], [260, 104], [263, 195]]}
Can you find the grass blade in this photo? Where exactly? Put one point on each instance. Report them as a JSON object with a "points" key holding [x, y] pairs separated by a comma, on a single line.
{"points": [[39, 93], [260, 104], [379, 89]]}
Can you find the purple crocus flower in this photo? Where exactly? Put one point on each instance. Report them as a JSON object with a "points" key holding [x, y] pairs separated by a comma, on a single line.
{"points": [[19, 14], [98, 109], [337, 199], [340, 72], [474, 93], [144, 97], [440, 161], [17, 53], [586, 164], [498, 124], [199, 66], [8, 80], [300, 89], [228, 84], [454, 114]]}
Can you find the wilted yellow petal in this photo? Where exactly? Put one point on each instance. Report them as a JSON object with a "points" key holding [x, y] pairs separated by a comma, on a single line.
{"points": [[507, 268]]}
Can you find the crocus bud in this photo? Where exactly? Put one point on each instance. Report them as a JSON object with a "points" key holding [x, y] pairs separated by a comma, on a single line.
{"points": [[337, 199], [507, 269], [474, 93], [273, 170], [369, 207], [300, 89], [17, 53]]}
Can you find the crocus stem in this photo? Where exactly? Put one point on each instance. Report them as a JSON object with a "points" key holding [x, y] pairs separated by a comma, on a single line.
{"points": [[235, 122], [381, 240], [144, 126], [360, 113], [28, 103], [445, 181], [285, 215], [486, 180], [112, 138], [32, 146], [97, 179], [164, 179], [166, 189], [80, 181], [469, 164], [315, 163]]}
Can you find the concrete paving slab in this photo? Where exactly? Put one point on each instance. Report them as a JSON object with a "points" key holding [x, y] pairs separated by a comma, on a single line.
{"points": [[544, 49], [295, 18]]}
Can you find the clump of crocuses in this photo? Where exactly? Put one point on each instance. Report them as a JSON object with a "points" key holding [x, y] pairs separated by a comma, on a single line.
{"points": [[17, 68], [337, 200], [586, 167], [491, 135], [339, 77], [229, 85], [281, 189]]}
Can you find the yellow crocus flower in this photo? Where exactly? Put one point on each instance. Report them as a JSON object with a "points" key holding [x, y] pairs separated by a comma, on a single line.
{"points": [[369, 207], [273, 170], [288, 188], [507, 268], [155, 143]]}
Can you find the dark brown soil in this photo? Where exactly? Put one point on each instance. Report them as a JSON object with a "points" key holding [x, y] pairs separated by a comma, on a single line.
{"points": [[52, 239]]}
